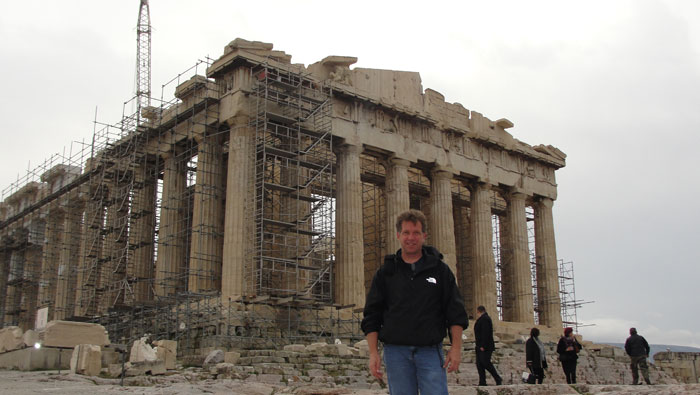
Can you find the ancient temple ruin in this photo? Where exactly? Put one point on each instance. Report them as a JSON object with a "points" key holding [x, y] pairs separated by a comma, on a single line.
{"points": [[265, 182]]}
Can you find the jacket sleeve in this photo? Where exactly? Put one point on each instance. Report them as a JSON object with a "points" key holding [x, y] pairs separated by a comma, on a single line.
{"points": [[455, 314], [646, 346], [529, 357], [627, 347], [561, 346], [374, 305]]}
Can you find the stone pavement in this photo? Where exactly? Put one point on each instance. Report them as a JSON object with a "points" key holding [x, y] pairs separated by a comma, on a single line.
{"points": [[25, 383]]}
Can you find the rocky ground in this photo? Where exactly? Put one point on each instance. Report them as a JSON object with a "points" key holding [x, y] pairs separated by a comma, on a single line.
{"points": [[188, 382]]}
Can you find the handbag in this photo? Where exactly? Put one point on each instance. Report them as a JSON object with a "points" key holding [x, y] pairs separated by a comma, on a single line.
{"points": [[528, 378]]}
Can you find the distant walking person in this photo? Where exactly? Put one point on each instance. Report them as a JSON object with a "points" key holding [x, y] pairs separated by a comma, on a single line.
{"points": [[485, 346], [637, 348], [568, 348], [535, 356]]}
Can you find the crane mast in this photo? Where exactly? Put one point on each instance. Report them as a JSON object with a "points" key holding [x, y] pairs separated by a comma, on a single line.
{"points": [[143, 59]]}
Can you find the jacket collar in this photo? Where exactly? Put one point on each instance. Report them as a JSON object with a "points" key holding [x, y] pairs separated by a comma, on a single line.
{"points": [[431, 257]]}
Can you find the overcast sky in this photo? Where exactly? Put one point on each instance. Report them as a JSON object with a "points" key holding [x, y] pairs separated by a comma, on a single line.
{"points": [[613, 84]]}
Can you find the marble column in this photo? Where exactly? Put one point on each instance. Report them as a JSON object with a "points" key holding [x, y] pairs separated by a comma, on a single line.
{"points": [[397, 199], [483, 263], [50, 260], [142, 233], [349, 263], [548, 303], [516, 281], [207, 217], [240, 206], [90, 255], [170, 265], [68, 261], [442, 228]]}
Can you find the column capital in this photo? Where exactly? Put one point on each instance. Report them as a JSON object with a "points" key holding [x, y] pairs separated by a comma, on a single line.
{"points": [[544, 201], [479, 184], [442, 172], [398, 161], [237, 121], [347, 148], [515, 194]]}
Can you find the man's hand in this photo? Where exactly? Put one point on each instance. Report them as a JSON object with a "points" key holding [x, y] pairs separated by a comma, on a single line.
{"points": [[481, 348], [454, 356], [375, 365]]}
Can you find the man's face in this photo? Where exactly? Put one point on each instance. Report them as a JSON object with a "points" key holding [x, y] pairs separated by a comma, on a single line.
{"points": [[411, 237], [478, 313]]}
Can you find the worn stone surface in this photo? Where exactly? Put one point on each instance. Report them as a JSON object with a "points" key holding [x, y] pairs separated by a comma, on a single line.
{"points": [[191, 382], [232, 357], [30, 338], [214, 357], [166, 350], [11, 338], [32, 359], [70, 334], [153, 368], [142, 351], [86, 360]]}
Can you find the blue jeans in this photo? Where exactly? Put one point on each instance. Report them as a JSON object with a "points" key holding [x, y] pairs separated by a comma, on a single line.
{"points": [[410, 369]]}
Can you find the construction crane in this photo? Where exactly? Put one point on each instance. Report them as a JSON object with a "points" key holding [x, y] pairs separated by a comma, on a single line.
{"points": [[143, 59]]}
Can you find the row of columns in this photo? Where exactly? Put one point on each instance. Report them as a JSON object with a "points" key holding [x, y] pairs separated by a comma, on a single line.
{"points": [[221, 234], [518, 304]]}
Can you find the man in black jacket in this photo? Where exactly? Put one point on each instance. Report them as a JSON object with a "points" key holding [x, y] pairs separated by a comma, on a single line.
{"points": [[637, 348], [483, 336], [412, 303]]}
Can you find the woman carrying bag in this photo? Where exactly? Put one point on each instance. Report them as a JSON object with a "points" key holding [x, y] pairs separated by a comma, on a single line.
{"points": [[535, 356], [568, 349]]}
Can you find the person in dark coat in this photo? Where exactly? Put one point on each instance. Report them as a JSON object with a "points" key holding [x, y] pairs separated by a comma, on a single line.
{"points": [[568, 348], [535, 356], [637, 348], [485, 346]]}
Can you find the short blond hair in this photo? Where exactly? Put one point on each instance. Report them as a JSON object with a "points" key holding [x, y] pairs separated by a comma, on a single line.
{"points": [[414, 216]]}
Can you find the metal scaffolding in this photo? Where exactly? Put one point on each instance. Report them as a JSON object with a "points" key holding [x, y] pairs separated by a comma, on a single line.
{"points": [[292, 251]]}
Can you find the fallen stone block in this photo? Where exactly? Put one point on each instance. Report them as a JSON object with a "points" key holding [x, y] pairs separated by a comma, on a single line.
{"points": [[11, 339], [86, 360], [142, 351], [166, 350], [30, 338], [154, 368], [214, 357], [232, 357], [69, 334]]}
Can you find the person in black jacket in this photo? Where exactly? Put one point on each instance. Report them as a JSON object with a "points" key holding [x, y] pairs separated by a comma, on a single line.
{"points": [[535, 356], [568, 348], [412, 303], [637, 348], [485, 346]]}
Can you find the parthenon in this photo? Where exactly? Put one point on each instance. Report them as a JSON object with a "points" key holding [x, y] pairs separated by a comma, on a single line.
{"points": [[273, 180]]}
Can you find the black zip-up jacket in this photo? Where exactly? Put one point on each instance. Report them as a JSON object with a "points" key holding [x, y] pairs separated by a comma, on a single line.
{"points": [[636, 346], [413, 308]]}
